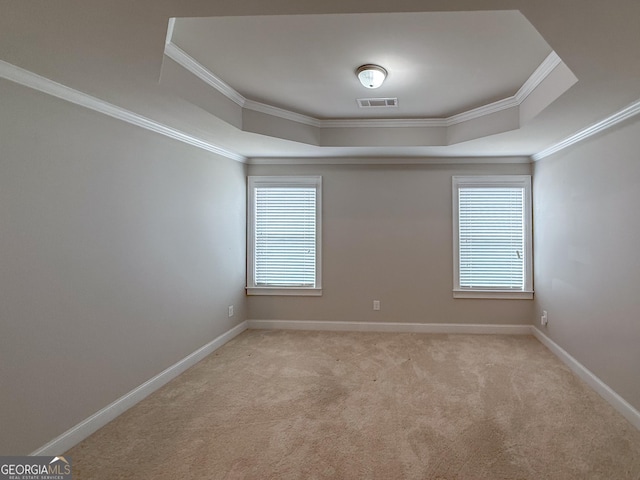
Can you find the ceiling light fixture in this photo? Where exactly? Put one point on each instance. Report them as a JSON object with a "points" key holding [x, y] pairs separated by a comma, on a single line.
{"points": [[371, 76]]}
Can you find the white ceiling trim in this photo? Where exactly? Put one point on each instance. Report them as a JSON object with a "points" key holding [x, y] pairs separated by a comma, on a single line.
{"points": [[185, 60], [179, 56], [170, 26], [32, 80], [388, 161], [482, 111], [191, 64], [282, 113], [537, 77], [618, 117], [384, 123]]}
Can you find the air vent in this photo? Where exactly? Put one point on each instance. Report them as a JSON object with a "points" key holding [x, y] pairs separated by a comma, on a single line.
{"points": [[377, 102]]}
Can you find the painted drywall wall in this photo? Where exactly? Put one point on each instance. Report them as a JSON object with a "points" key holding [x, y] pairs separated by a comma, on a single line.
{"points": [[387, 236], [120, 250], [587, 257]]}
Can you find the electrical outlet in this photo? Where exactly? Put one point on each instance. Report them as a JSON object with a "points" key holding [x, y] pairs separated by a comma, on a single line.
{"points": [[376, 304], [544, 319], [230, 311]]}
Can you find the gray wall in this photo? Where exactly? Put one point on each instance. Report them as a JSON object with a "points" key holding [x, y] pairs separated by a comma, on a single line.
{"points": [[120, 250], [587, 254], [387, 235]]}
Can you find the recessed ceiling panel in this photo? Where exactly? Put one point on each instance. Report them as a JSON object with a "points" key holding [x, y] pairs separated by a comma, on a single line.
{"points": [[439, 64]]}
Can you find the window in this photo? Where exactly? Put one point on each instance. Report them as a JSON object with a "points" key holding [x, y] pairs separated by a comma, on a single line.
{"points": [[283, 236], [492, 237]]}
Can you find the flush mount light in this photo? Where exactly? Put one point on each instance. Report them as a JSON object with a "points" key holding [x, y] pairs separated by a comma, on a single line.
{"points": [[371, 76]]}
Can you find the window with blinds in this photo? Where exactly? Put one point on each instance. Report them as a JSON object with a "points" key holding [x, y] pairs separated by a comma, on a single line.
{"points": [[492, 236], [284, 240]]}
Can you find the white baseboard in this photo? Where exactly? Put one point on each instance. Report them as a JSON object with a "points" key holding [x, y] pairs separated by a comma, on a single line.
{"points": [[389, 327], [82, 430], [605, 391]]}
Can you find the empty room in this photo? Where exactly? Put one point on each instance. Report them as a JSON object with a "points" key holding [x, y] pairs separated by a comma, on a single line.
{"points": [[320, 240]]}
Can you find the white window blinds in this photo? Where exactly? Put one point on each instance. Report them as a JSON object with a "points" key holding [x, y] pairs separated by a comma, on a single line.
{"points": [[492, 236], [491, 229], [285, 236], [284, 216]]}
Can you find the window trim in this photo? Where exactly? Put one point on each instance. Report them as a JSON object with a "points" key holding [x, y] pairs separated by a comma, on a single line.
{"points": [[254, 181], [494, 181]]}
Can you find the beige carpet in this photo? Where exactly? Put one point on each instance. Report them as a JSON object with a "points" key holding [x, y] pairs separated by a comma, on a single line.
{"points": [[325, 405]]}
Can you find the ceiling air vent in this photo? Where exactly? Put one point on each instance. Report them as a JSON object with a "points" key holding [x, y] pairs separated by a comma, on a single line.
{"points": [[377, 102]]}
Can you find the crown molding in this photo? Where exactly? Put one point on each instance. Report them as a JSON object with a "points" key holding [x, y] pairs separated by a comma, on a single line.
{"points": [[424, 122], [537, 77], [185, 60], [385, 123], [34, 81], [170, 26], [482, 111], [282, 113], [618, 117], [388, 160], [182, 58]]}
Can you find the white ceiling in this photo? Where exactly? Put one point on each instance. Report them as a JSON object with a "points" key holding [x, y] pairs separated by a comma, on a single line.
{"points": [[439, 64], [114, 51]]}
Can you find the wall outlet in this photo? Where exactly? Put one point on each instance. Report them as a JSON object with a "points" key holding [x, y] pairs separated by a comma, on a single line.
{"points": [[544, 319], [230, 311], [376, 304]]}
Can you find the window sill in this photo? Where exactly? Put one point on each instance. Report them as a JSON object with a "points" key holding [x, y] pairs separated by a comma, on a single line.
{"points": [[500, 294], [307, 292]]}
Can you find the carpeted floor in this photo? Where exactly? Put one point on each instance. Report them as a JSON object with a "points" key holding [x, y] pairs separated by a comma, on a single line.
{"points": [[328, 405]]}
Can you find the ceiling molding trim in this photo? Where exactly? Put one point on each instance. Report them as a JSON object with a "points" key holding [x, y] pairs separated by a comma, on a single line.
{"points": [[282, 113], [388, 160], [538, 76], [618, 117], [544, 69], [34, 81], [170, 26], [178, 55], [479, 112], [385, 123]]}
